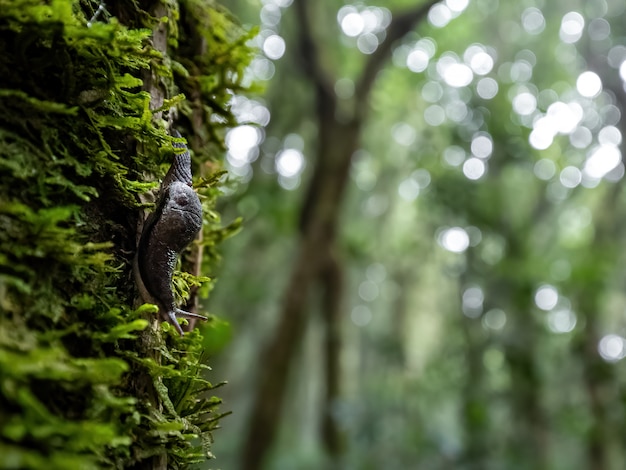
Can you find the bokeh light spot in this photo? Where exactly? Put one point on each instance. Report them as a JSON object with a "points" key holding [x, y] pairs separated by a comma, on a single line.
{"points": [[473, 298], [521, 71], [482, 146], [533, 21], [581, 137], [487, 88], [494, 319], [270, 15], [422, 177], [561, 321], [525, 103], [242, 142], [432, 92], [454, 155], [434, 115], [417, 60], [278, 3], [474, 168], [404, 134], [454, 239], [478, 59], [439, 15], [367, 43], [352, 24], [611, 348], [409, 189], [572, 26], [622, 71], [274, 47], [610, 135], [457, 6], [544, 169], [565, 117], [456, 111], [546, 297], [457, 75], [589, 84], [289, 162], [602, 160], [481, 63], [570, 177], [540, 139], [599, 29], [616, 55], [262, 68]]}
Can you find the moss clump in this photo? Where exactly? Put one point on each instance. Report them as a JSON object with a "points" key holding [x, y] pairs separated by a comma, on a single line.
{"points": [[85, 380]]}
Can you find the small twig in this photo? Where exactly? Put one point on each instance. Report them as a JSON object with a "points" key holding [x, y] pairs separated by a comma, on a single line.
{"points": [[101, 8], [401, 24]]}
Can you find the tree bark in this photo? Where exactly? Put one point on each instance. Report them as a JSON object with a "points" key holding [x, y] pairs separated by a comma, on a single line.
{"points": [[330, 432], [152, 85]]}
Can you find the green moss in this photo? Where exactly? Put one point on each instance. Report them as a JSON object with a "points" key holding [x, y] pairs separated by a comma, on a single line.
{"points": [[85, 381]]}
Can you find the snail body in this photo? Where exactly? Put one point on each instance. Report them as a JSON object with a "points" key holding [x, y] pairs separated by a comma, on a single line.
{"points": [[173, 225]]}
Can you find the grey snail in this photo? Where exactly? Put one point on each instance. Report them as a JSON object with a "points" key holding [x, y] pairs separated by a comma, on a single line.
{"points": [[167, 231]]}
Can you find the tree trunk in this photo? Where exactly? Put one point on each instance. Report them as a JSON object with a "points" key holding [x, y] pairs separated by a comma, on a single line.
{"points": [[93, 383], [312, 264], [598, 375], [475, 402], [338, 139], [332, 278]]}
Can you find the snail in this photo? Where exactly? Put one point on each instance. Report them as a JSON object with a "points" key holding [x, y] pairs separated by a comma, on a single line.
{"points": [[173, 225]]}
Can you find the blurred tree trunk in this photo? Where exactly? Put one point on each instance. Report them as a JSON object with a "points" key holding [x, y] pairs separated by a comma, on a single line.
{"points": [[599, 382], [475, 406], [332, 306], [316, 262], [530, 438], [590, 279]]}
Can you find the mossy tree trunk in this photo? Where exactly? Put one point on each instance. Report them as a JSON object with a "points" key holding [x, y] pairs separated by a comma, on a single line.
{"points": [[88, 377]]}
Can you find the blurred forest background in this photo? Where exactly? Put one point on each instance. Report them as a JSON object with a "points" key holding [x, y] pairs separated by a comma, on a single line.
{"points": [[431, 272]]}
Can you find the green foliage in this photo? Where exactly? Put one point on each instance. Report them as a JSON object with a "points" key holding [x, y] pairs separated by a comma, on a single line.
{"points": [[440, 377], [85, 380], [217, 334]]}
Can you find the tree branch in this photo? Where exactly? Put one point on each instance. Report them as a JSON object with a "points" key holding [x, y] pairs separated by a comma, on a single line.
{"points": [[401, 24], [309, 52]]}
